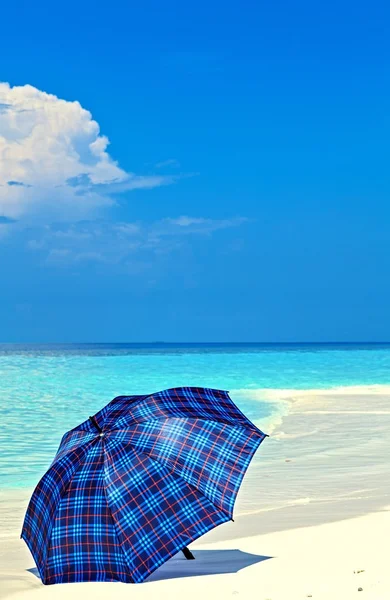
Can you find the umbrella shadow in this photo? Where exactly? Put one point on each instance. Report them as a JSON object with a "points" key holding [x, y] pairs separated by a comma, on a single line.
{"points": [[207, 562]]}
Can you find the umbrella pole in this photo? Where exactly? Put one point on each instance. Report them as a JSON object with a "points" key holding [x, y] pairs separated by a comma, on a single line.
{"points": [[187, 553]]}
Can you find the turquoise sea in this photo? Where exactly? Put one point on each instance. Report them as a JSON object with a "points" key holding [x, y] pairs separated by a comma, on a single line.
{"points": [[46, 390]]}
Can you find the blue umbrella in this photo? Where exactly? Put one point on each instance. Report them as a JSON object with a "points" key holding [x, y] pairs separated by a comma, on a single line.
{"points": [[136, 483]]}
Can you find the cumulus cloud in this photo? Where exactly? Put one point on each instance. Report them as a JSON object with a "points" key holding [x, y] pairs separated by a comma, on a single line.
{"points": [[57, 179], [54, 162]]}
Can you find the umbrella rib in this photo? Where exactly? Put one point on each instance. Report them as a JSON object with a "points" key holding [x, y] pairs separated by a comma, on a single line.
{"points": [[113, 520]]}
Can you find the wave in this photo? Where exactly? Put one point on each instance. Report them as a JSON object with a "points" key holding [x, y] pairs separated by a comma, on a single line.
{"points": [[282, 400], [286, 394]]}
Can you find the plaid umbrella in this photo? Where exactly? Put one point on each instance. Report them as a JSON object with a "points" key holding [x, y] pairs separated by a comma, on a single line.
{"points": [[133, 485]]}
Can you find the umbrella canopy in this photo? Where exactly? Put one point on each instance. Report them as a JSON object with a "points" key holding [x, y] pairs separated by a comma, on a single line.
{"points": [[133, 485]]}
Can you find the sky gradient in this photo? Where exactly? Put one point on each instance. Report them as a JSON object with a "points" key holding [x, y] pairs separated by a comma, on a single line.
{"points": [[208, 172]]}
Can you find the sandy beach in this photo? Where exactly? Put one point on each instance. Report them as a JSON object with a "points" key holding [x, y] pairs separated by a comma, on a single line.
{"points": [[312, 517]]}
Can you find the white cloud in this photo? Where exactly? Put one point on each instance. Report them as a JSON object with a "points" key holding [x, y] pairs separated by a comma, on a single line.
{"points": [[56, 179], [54, 163], [171, 162], [185, 224], [114, 243]]}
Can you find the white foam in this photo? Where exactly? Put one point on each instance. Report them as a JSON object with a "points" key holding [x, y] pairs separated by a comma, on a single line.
{"points": [[285, 394], [282, 398], [280, 408]]}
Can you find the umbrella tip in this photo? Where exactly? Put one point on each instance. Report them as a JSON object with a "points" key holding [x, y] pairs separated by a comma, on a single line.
{"points": [[96, 425]]}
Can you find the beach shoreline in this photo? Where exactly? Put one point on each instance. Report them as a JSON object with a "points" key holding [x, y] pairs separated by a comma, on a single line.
{"points": [[322, 473]]}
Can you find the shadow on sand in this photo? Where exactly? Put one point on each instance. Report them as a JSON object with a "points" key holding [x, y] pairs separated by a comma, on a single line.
{"points": [[207, 562]]}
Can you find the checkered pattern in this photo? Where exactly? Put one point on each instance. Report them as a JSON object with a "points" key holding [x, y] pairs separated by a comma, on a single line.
{"points": [[117, 506]]}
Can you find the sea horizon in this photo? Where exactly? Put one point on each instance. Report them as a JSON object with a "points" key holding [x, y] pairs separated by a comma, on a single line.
{"points": [[203, 343]]}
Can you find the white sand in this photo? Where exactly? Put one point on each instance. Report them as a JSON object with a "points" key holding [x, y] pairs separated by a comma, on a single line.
{"points": [[326, 463]]}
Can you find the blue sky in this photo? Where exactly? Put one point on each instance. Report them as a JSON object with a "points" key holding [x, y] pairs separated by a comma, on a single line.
{"points": [[244, 194]]}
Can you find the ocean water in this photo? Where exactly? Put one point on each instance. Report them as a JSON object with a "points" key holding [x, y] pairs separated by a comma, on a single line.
{"points": [[46, 390]]}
